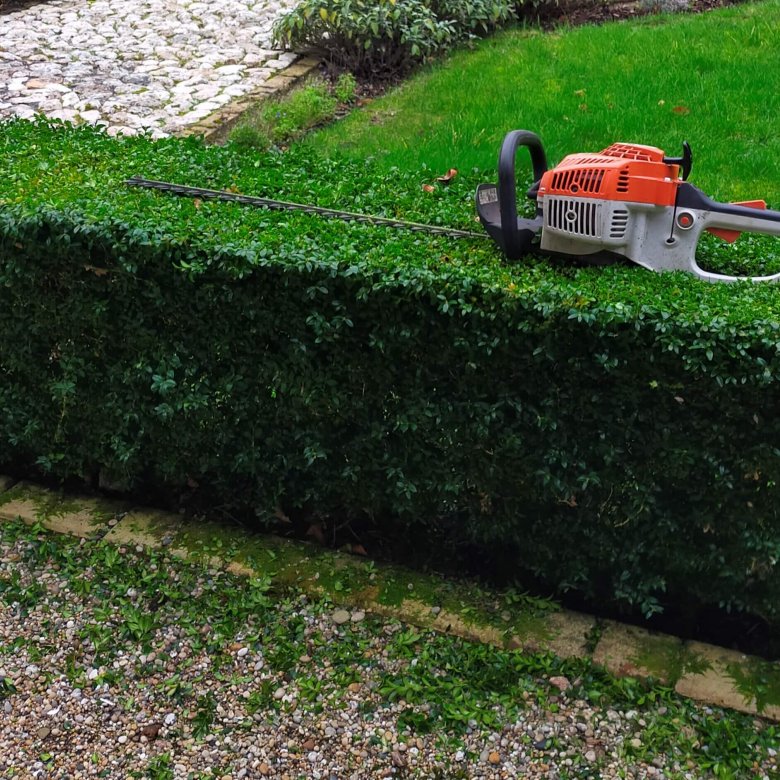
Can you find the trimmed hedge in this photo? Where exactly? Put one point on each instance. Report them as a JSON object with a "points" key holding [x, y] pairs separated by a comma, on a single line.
{"points": [[613, 429]]}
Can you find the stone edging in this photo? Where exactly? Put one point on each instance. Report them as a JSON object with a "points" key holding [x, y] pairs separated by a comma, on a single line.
{"points": [[706, 673], [216, 125]]}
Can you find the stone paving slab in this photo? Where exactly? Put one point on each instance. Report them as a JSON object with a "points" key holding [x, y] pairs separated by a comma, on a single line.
{"points": [[568, 633], [154, 66], [156, 529], [82, 516], [629, 651], [727, 678]]}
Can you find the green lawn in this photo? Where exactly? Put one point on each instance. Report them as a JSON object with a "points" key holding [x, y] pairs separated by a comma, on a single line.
{"points": [[713, 79]]}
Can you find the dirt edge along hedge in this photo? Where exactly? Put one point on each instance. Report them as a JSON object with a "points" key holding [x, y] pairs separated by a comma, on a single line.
{"points": [[610, 431]]}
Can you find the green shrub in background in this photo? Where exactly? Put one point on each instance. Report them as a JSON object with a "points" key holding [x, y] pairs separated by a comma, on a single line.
{"points": [[610, 430], [381, 38]]}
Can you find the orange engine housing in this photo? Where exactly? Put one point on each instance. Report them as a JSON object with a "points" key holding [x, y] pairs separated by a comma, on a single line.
{"points": [[627, 172]]}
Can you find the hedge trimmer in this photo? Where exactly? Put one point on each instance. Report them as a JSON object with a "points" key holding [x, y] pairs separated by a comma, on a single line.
{"points": [[627, 202]]}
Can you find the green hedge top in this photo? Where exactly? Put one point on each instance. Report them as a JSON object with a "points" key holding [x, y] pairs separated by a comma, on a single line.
{"points": [[53, 173]]}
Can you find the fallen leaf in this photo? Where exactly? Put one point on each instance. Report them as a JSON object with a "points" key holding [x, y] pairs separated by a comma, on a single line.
{"points": [[197, 202], [428, 188], [357, 549], [448, 177], [681, 110]]}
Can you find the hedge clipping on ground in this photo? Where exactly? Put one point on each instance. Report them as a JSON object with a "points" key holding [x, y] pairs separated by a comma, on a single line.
{"points": [[609, 430]]}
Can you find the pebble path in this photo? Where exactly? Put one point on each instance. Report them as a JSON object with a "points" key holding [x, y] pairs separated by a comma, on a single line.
{"points": [[114, 664], [136, 66]]}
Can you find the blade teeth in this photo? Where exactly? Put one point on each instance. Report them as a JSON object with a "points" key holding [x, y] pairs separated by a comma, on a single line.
{"points": [[270, 203]]}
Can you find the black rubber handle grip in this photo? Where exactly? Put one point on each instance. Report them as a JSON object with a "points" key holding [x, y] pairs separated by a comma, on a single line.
{"points": [[515, 241], [685, 162]]}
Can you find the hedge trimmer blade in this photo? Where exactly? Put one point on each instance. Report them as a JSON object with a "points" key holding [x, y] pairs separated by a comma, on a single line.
{"points": [[283, 205]]}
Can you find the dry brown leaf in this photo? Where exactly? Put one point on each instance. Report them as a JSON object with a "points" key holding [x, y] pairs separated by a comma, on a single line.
{"points": [[448, 177], [428, 188]]}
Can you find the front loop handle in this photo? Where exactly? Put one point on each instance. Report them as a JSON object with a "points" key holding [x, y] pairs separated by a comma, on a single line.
{"points": [[515, 240]]}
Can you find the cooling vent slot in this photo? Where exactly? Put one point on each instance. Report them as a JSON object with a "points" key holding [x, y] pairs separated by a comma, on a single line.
{"points": [[576, 217], [629, 152], [576, 180], [619, 223], [622, 181]]}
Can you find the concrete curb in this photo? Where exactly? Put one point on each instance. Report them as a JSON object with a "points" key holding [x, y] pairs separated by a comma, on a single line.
{"points": [[706, 673], [216, 126]]}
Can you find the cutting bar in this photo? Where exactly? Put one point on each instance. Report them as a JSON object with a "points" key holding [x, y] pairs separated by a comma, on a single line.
{"points": [[283, 205]]}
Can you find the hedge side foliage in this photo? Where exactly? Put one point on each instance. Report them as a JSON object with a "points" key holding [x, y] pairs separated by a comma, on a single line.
{"points": [[382, 38], [613, 430]]}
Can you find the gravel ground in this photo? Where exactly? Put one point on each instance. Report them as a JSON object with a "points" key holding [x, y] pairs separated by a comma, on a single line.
{"points": [[118, 663]]}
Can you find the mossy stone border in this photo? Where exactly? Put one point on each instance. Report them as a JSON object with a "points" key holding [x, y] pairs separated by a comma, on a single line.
{"points": [[706, 673], [215, 127]]}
